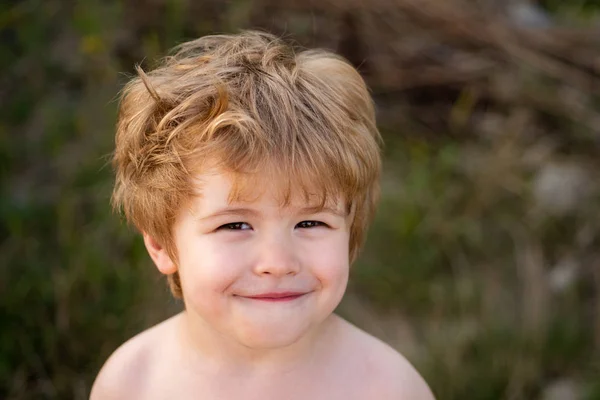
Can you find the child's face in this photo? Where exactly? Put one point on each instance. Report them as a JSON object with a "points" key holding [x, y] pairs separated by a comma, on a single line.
{"points": [[255, 271]]}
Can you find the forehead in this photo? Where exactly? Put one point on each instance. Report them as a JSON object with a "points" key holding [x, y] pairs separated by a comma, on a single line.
{"points": [[217, 188]]}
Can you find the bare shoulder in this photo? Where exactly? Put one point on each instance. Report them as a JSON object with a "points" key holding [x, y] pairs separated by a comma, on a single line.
{"points": [[389, 373], [125, 373]]}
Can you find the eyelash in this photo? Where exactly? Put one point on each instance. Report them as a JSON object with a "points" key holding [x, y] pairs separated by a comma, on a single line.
{"points": [[233, 226], [237, 226], [313, 224]]}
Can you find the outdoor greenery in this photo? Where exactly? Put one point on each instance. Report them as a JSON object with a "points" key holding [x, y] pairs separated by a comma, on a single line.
{"points": [[483, 264]]}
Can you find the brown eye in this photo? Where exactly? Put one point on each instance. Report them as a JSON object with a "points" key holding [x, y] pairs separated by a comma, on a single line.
{"points": [[310, 224], [235, 226]]}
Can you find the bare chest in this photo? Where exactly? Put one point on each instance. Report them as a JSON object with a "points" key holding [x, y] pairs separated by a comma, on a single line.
{"points": [[325, 387], [289, 393]]}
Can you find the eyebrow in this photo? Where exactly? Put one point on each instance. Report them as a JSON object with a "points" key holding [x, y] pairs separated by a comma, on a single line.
{"points": [[246, 212], [249, 212], [317, 209]]}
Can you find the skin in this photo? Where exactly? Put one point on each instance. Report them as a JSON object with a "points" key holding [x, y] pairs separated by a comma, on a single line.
{"points": [[228, 343]]}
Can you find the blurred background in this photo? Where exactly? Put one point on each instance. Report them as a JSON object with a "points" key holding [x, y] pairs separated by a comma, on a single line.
{"points": [[483, 264]]}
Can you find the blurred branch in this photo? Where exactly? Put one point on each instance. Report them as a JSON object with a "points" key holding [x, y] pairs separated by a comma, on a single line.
{"points": [[410, 44]]}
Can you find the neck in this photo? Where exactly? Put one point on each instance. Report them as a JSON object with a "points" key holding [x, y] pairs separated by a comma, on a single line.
{"points": [[223, 353]]}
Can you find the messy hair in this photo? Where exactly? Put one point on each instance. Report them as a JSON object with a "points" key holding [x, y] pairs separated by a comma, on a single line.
{"points": [[250, 103]]}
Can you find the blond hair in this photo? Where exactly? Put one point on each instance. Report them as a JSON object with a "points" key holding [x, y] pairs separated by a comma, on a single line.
{"points": [[253, 103]]}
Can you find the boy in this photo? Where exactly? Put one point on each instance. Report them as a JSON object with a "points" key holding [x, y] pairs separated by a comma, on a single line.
{"points": [[252, 173]]}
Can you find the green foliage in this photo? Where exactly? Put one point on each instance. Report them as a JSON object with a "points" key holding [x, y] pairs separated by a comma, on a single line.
{"points": [[585, 9], [460, 247], [75, 282]]}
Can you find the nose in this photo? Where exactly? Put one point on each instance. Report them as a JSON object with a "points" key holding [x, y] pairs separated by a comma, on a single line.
{"points": [[277, 257]]}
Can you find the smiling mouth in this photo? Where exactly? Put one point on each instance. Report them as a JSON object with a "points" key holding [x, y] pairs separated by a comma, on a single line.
{"points": [[276, 297]]}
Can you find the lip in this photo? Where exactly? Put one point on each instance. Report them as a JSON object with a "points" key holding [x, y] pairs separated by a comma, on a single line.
{"points": [[277, 296]]}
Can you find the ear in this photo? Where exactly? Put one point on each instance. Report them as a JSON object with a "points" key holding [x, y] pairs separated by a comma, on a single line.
{"points": [[159, 255]]}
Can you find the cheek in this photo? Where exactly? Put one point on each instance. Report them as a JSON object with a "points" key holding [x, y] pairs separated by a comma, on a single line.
{"points": [[329, 260], [207, 266]]}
